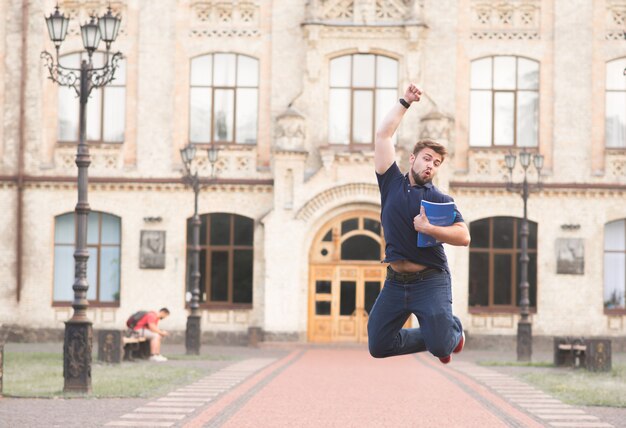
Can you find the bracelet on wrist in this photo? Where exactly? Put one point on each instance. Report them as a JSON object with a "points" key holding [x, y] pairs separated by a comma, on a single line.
{"points": [[404, 103]]}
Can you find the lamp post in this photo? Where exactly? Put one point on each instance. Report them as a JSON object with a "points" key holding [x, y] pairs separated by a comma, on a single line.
{"points": [[77, 343], [524, 326], [191, 178]]}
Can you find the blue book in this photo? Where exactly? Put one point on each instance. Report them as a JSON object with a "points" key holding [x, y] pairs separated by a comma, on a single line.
{"points": [[439, 214]]}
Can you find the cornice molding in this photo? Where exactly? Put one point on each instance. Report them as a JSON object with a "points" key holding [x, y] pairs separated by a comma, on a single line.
{"points": [[549, 189], [139, 184]]}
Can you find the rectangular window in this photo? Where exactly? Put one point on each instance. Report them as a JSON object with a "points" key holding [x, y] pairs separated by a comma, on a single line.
{"points": [[109, 274], [347, 298], [242, 281], [362, 117], [219, 276], [504, 72], [226, 260], [504, 102], [502, 278], [479, 279], [67, 115], [363, 68], [527, 120], [494, 264], [615, 122], [615, 265], [247, 107], [200, 111], [114, 114], [503, 118], [63, 273], [105, 110], [480, 118], [224, 99], [339, 116], [614, 280], [322, 308], [224, 69], [223, 118], [363, 88], [103, 264]]}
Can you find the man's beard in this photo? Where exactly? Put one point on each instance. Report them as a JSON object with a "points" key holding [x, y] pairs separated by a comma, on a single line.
{"points": [[418, 179]]}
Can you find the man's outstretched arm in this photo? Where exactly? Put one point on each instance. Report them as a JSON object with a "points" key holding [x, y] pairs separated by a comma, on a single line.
{"points": [[384, 151]]}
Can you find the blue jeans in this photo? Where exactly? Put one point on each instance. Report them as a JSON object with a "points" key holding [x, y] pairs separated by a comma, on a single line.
{"points": [[430, 299]]}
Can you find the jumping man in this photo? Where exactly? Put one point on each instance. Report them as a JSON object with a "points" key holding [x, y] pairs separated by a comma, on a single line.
{"points": [[418, 279]]}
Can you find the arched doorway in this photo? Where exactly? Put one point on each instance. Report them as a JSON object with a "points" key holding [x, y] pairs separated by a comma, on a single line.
{"points": [[345, 277]]}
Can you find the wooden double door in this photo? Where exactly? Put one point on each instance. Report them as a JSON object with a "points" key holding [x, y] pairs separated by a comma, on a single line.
{"points": [[340, 299]]}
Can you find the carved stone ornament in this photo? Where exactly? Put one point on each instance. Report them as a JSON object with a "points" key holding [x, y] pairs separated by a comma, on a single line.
{"points": [[438, 126], [570, 256], [105, 158], [616, 165], [290, 130], [152, 249], [79, 11], [505, 20], [615, 20], [219, 18], [363, 12]]}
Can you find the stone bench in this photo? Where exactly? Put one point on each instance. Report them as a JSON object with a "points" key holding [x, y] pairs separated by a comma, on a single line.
{"points": [[594, 354], [115, 345]]}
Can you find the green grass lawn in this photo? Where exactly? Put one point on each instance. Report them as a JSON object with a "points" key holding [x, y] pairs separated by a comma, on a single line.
{"points": [[32, 374], [581, 387], [575, 386]]}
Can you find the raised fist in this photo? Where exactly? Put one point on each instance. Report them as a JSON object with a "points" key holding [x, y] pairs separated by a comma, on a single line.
{"points": [[412, 94]]}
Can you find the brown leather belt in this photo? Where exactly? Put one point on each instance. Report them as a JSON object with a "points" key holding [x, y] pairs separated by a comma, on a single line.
{"points": [[410, 277]]}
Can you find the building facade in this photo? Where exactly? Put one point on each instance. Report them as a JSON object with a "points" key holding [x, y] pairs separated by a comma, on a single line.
{"points": [[290, 93]]}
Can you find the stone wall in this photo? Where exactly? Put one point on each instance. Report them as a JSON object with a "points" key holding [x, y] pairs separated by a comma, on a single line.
{"points": [[307, 182]]}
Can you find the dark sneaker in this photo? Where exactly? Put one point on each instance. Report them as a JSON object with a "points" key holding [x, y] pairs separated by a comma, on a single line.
{"points": [[461, 344], [445, 360]]}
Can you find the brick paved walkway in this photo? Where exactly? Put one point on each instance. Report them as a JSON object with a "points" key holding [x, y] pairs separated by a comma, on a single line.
{"points": [[345, 387]]}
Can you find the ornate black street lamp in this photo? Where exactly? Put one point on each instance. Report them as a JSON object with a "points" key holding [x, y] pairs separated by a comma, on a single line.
{"points": [[77, 344], [191, 178], [524, 326]]}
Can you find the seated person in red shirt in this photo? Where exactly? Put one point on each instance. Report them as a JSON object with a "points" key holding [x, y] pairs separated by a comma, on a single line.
{"points": [[148, 327]]}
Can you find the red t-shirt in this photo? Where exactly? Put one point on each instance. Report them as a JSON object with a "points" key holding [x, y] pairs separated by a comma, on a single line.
{"points": [[150, 317]]}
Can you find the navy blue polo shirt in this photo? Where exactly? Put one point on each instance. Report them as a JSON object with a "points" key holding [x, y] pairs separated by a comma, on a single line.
{"points": [[400, 204]]}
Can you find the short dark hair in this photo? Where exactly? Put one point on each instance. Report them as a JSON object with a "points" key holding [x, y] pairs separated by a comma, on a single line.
{"points": [[431, 144], [167, 311]]}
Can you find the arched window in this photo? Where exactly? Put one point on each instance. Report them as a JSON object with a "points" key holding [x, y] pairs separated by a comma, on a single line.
{"points": [[504, 102], [106, 109], [224, 97], [494, 266], [360, 247], [615, 265], [615, 111], [226, 259], [363, 87], [355, 238], [103, 265]]}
